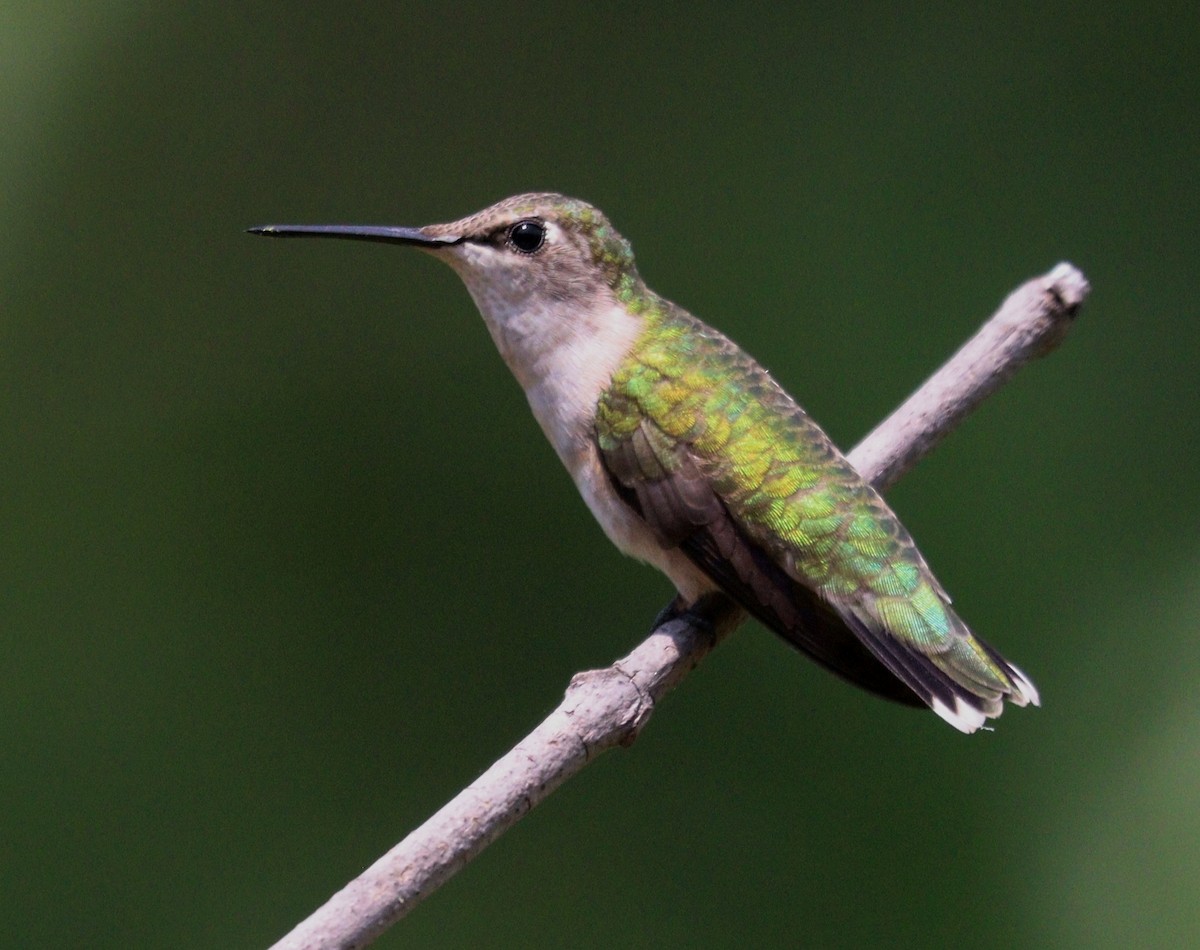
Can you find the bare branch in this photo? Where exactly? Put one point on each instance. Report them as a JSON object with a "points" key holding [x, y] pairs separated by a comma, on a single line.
{"points": [[1031, 322], [609, 707]]}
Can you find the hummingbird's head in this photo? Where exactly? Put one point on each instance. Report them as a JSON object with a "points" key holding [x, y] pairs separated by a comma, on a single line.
{"points": [[520, 251], [545, 271], [537, 249]]}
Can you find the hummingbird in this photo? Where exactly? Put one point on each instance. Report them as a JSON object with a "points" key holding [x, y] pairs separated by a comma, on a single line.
{"points": [[696, 461]]}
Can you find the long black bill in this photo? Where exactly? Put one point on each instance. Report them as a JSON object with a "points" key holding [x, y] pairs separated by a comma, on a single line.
{"points": [[356, 232]]}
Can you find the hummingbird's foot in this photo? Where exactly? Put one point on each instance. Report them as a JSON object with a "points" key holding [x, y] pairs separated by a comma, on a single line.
{"points": [[673, 611], [712, 616]]}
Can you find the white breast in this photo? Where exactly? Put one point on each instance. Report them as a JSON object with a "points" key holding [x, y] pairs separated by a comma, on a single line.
{"points": [[564, 350]]}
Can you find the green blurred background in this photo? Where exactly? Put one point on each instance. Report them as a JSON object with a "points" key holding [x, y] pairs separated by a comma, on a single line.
{"points": [[286, 562]]}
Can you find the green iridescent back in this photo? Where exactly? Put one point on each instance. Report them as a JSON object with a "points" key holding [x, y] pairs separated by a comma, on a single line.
{"points": [[698, 401]]}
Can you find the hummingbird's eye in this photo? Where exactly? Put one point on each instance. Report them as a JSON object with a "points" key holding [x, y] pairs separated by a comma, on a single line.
{"points": [[527, 236]]}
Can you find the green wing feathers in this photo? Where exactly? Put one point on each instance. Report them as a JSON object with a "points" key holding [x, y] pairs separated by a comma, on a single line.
{"points": [[721, 462]]}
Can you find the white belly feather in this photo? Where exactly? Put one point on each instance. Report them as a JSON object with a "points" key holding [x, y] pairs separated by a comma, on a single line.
{"points": [[564, 374]]}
